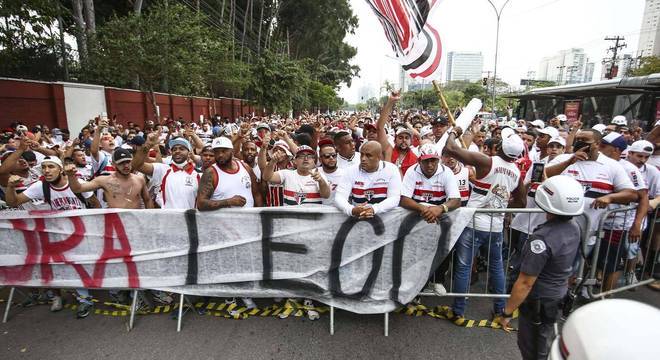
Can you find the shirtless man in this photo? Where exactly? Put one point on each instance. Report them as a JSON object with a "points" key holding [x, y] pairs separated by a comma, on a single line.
{"points": [[123, 189]]}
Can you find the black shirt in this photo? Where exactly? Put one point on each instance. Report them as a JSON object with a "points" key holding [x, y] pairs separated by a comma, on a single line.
{"points": [[549, 254]]}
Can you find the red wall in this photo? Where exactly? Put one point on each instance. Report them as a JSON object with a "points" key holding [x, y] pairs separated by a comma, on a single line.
{"points": [[32, 103], [43, 103]]}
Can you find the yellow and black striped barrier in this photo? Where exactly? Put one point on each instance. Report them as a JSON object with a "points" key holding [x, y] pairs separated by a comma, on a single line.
{"points": [[445, 312]]}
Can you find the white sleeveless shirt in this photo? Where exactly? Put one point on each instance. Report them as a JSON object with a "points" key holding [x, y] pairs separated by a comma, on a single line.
{"points": [[232, 184], [493, 191]]}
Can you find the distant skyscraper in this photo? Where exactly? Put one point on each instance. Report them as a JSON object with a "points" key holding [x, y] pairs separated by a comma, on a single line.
{"points": [[589, 72], [649, 37], [464, 66], [566, 67]]}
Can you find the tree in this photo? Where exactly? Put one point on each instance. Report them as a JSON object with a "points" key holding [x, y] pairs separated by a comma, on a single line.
{"points": [[29, 42], [165, 47], [649, 65]]}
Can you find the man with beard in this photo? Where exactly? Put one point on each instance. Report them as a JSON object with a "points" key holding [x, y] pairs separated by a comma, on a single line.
{"points": [[80, 160], [329, 169], [401, 155], [249, 153], [123, 189], [304, 185], [178, 181], [275, 192], [371, 188], [54, 190], [228, 183], [16, 163]]}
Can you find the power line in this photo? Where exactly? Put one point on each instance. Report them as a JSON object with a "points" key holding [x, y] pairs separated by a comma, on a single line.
{"points": [[618, 44]]}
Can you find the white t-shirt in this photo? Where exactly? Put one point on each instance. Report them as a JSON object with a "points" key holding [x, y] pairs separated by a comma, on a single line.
{"points": [[652, 177], [333, 179], [344, 163], [60, 198], [435, 190], [381, 189], [107, 169], [624, 220], [654, 160], [178, 187], [599, 178], [298, 189]]}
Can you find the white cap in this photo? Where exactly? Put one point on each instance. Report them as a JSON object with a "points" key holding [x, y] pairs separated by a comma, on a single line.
{"points": [[642, 146], [559, 140], [428, 151], [538, 123], [54, 160], [562, 118], [282, 144], [403, 130], [620, 120], [426, 130], [550, 131], [222, 143], [599, 127], [512, 144]]}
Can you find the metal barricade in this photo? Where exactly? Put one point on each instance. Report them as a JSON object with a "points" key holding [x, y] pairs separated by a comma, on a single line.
{"points": [[507, 233], [611, 256]]}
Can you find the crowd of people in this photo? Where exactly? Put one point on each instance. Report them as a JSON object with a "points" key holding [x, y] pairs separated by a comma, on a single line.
{"points": [[362, 165]]}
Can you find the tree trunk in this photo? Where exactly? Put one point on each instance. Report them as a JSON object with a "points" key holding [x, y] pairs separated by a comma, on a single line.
{"points": [[81, 37], [137, 7], [90, 17]]}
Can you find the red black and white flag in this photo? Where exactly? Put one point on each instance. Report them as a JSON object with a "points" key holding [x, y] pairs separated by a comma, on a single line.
{"points": [[414, 39]]}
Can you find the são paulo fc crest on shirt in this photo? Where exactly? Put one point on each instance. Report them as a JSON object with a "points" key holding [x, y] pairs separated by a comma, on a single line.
{"points": [[245, 180], [427, 196], [189, 181], [300, 197], [369, 194]]}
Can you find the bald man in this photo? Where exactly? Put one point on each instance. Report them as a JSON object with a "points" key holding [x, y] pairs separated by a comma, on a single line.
{"points": [[371, 187]]}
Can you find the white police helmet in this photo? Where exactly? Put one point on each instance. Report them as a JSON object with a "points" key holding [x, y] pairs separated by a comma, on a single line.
{"points": [[560, 195]]}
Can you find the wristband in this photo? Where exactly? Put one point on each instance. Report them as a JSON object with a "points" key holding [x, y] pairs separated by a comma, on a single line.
{"points": [[507, 316]]}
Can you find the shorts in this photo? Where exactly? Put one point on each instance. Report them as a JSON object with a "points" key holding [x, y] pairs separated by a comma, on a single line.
{"points": [[612, 251]]}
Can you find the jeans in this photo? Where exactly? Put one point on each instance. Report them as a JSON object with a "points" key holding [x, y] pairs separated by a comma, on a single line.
{"points": [[466, 249]]}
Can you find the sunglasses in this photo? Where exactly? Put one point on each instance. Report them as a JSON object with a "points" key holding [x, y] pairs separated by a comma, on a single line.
{"points": [[329, 156]]}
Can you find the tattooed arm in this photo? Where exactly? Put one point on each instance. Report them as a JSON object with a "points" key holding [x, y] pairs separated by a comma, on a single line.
{"points": [[206, 188]]}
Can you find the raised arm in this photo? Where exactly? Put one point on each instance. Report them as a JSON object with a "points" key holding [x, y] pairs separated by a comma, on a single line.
{"points": [[76, 186], [96, 140], [380, 125], [268, 173], [141, 153], [14, 199], [480, 161]]}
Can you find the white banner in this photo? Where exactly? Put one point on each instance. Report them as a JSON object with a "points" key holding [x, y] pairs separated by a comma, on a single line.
{"points": [[305, 252]]}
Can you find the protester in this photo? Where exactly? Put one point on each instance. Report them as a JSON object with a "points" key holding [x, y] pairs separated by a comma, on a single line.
{"points": [[329, 169], [497, 185]]}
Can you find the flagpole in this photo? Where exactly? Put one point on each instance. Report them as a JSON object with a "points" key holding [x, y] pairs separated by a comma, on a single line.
{"points": [[498, 14]]}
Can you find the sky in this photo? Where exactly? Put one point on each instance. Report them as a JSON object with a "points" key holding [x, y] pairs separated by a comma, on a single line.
{"points": [[529, 31]]}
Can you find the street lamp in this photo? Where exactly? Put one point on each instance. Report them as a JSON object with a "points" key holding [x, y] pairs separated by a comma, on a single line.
{"points": [[498, 13]]}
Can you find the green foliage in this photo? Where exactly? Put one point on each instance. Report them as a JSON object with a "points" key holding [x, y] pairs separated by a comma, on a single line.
{"points": [[167, 47], [29, 40], [649, 65]]}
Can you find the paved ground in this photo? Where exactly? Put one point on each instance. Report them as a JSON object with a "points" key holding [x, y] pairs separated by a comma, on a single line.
{"points": [[37, 334]]}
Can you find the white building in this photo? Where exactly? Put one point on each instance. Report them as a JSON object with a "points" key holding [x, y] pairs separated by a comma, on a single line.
{"points": [[565, 67], [464, 66], [649, 38], [589, 69]]}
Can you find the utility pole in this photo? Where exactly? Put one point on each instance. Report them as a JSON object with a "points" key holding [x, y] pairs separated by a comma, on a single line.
{"points": [[498, 14], [618, 44]]}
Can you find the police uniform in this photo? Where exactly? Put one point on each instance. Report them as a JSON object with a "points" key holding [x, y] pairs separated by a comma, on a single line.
{"points": [[548, 254]]}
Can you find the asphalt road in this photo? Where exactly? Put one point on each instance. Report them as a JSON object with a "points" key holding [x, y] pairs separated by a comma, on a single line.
{"points": [[35, 333]]}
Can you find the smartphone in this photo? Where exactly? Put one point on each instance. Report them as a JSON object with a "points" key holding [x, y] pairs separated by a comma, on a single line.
{"points": [[537, 172]]}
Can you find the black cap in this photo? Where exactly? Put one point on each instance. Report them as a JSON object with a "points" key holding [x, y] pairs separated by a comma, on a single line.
{"points": [[440, 120], [136, 140], [120, 155], [29, 156]]}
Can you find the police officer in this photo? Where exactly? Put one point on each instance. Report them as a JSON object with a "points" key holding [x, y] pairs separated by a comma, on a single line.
{"points": [[547, 260]]}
